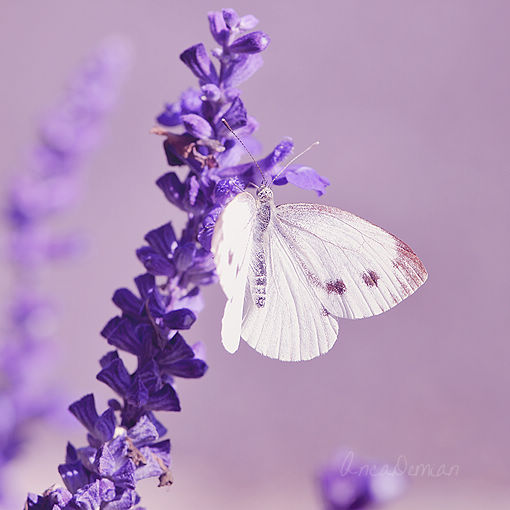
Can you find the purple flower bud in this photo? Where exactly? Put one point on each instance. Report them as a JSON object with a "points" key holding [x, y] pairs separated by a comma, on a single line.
{"points": [[231, 18], [171, 115], [197, 59], [254, 42], [191, 101], [218, 27], [278, 155], [197, 126]]}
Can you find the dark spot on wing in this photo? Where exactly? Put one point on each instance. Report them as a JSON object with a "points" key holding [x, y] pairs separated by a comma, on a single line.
{"points": [[370, 278], [260, 301], [335, 287], [230, 257], [324, 312]]}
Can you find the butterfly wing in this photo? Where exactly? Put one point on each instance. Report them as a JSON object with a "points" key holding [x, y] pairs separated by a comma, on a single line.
{"points": [[292, 325], [355, 268], [231, 246]]}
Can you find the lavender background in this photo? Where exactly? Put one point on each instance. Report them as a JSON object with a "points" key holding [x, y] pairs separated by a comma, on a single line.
{"points": [[410, 101]]}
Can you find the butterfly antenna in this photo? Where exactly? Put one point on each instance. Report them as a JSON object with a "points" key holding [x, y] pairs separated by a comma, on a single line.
{"points": [[226, 124], [294, 159]]}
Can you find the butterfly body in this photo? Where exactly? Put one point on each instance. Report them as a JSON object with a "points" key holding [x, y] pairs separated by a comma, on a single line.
{"points": [[258, 280], [290, 272]]}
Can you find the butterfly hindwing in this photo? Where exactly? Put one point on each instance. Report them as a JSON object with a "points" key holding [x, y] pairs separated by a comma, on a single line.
{"points": [[291, 326]]}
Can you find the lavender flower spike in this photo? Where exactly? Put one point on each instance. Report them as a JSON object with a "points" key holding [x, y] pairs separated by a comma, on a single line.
{"points": [[125, 442], [47, 186]]}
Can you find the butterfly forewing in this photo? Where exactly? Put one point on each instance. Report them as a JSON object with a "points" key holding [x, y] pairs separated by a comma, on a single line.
{"points": [[355, 268], [231, 246]]}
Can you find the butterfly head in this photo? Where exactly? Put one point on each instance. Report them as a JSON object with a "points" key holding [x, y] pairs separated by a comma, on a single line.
{"points": [[264, 194]]}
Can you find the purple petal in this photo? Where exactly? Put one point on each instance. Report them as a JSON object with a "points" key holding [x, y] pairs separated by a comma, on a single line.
{"points": [[176, 349], [184, 256], [145, 283], [85, 412], [120, 333], [73, 475], [179, 319], [127, 500], [197, 59], [206, 232], [236, 116], [197, 126], [138, 394], [194, 198], [93, 496], [277, 156], [155, 263], [191, 369], [164, 400], [218, 27], [143, 433], [105, 425], [158, 460], [227, 189], [191, 101], [127, 302], [172, 187], [116, 376], [254, 42], [304, 177], [112, 462], [162, 239]]}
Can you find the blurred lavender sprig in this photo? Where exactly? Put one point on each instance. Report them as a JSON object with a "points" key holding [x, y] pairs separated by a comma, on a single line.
{"points": [[126, 442], [351, 483], [47, 186]]}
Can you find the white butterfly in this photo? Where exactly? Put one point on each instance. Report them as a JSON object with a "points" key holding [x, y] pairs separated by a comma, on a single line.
{"points": [[291, 271]]}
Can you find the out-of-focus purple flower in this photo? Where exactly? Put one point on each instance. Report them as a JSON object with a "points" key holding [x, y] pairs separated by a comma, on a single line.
{"points": [[49, 184], [347, 483]]}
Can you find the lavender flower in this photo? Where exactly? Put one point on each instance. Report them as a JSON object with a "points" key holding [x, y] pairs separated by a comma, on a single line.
{"points": [[347, 483], [47, 186], [125, 442]]}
